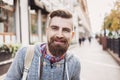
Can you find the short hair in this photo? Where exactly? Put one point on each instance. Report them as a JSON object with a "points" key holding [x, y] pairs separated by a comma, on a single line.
{"points": [[59, 13]]}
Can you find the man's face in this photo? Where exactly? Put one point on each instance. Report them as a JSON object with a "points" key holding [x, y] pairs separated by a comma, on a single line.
{"points": [[59, 35]]}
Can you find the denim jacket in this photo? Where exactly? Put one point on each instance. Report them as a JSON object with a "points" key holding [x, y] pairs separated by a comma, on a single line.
{"points": [[72, 69]]}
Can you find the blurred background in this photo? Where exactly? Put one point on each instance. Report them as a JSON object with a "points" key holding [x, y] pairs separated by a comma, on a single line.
{"points": [[96, 26]]}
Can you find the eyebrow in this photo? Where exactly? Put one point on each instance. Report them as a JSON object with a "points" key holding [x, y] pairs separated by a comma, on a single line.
{"points": [[58, 27], [54, 26], [67, 29]]}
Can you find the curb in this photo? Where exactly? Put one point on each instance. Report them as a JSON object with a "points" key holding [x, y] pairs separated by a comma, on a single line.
{"points": [[114, 55]]}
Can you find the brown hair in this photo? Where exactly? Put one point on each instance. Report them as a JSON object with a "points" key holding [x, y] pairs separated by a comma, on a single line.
{"points": [[60, 13]]}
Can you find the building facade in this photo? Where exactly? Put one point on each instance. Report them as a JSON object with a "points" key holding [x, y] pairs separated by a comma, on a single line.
{"points": [[26, 21]]}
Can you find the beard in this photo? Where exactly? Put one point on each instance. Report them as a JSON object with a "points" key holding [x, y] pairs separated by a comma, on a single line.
{"points": [[58, 50]]}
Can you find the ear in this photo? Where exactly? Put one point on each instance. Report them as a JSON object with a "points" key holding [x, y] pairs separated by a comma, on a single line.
{"points": [[73, 34]]}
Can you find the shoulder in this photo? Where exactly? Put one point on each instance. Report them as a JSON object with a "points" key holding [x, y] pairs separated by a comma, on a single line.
{"points": [[73, 59], [23, 49], [74, 65], [21, 52], [38, 47]]}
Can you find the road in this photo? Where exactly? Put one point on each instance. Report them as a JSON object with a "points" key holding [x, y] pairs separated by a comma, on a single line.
{"points": [[96, 64]]}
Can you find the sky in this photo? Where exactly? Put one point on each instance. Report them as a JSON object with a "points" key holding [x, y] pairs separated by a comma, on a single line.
{"points": [[98, 9]]}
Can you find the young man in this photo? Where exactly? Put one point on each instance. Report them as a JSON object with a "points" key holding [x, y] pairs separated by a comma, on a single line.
{"points": [[57, 63]]}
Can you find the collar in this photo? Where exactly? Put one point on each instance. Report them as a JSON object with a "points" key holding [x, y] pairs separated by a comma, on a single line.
{"points": [[48, 57]]}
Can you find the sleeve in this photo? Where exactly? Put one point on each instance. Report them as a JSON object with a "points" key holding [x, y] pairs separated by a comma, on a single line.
{"points": [[16, 69], [77, 68]]}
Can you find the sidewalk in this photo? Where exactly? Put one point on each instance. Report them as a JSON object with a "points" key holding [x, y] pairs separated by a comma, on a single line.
{"points": [[96, 64], [114, 55]]}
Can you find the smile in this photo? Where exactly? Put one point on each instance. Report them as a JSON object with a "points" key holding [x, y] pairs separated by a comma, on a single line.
{"points": [[59, 42]]}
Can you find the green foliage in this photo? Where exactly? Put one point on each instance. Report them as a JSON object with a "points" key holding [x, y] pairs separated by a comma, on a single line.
{"points": [[112, 21], [9, 48], [4, 49], [110, 34]]}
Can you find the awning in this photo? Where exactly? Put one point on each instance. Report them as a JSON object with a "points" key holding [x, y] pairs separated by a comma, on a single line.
{"points": [[9, 2]]}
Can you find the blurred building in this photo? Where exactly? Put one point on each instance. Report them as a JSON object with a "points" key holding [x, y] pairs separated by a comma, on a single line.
{"points": [[26, 19], [7, 29]]}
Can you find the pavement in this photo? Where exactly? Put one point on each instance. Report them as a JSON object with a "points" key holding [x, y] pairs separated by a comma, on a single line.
{"points": [[96, 64], [114, 55]]}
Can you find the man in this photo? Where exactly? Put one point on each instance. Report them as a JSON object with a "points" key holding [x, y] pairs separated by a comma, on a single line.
{"points": [[57, 63]]}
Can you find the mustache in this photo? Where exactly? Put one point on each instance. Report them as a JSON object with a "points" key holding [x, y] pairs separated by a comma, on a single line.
{"points": [[58, 50], [59, 39]]}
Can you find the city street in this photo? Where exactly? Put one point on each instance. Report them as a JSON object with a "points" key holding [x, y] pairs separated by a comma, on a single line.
{"points": [[24, 22], [96, 64]]}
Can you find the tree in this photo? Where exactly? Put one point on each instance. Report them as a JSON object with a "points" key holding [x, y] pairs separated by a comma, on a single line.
{"points": [[112, 21]]}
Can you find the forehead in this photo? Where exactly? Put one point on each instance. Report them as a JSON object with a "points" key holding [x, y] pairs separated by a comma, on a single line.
{"points": [[62, 22]]}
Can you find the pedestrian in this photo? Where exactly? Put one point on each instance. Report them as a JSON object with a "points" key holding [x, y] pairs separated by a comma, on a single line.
{"points": [[83, 40], [57, 62], [80, 41], [89, 38]]}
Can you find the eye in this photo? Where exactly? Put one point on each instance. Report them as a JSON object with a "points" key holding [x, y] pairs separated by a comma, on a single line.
{"points": [[54, 27], [66, 30]]}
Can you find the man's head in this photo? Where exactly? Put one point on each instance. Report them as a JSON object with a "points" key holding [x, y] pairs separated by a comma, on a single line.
{"points": [[59, 32]]}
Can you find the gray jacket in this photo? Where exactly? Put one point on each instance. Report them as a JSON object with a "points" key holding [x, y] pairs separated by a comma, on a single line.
{"points": [[72, 69]]}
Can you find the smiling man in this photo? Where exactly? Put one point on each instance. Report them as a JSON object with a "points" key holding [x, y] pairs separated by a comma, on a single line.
{"points": [[59, 33], [57, 62]]}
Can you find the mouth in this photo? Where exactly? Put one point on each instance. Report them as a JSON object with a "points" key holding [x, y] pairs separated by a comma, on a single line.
{"points": [[59, 42]]}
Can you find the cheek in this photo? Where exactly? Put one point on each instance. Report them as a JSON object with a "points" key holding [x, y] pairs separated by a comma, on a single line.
{"points": [[68, 38], [49, 35]]}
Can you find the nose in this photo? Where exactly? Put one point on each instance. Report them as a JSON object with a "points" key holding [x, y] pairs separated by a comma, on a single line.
{"points": [[59, 34]]}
